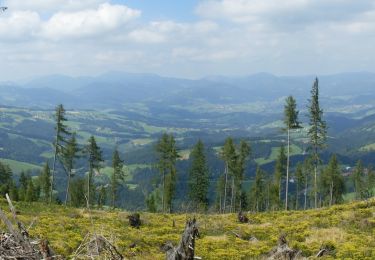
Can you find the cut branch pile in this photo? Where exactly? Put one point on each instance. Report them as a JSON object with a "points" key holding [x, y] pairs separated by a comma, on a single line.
{"points": [[97, 247], [16, 243]]}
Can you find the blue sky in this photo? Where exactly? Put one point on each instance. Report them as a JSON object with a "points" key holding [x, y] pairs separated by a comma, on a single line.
{"points": [[182, 10], [187, 38]]}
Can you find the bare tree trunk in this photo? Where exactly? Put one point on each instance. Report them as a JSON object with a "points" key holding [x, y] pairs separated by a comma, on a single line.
{"points": [[220, 209], [88, 187], [297, 190], [232, 200], [67, 188], [304, 206], [53, 172], [331, 194], [163, 192], [287, 173], [315, 185], [225, 187]]}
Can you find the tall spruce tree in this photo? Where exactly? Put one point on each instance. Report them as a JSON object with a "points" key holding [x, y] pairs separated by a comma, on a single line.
{"points": [[317, 133], [244, 153], [280, 172], [370, 182], [299, 180], [117, 175], [198, 177], [332, 182], [167, 153], [94, 159], [45, 182], [69, 155], [60, 139], [307, 169], [359, 181], [291, 122], [257, 191], [6, 176], [229, 155]]}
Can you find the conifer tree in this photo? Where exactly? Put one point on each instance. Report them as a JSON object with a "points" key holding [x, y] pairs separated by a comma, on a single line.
{"points": [[291, 122], [333, 182], [307, 169], [60, 139], [243, 156], [117, 175], [94, 158], [358, 181], [167, 157], [198, 177], [229, 155], [6, 178], [77, 197], [30, 191], [257, 194], [317, 133], [23, 181], [370, 182], [280, 172], [13, 191], [45, 182], [300, 181], [69, 155]]}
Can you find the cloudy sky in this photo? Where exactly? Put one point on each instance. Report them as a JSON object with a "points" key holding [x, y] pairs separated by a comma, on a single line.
{"points": [[187, 38]]}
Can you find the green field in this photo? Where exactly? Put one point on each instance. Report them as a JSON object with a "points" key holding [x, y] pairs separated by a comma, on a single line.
{"points": [[294, 150], [18, 167]]}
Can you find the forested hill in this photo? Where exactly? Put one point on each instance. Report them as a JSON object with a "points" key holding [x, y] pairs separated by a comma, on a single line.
{"points": [[132, 111]]}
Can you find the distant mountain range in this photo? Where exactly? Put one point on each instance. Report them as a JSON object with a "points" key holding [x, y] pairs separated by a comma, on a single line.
{"points": [[346, 91]]}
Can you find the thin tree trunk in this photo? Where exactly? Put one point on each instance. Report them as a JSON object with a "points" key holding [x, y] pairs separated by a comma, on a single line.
{"points": [[225, 187], [297, 190], [287, 173], [304, 206], [331, 194], [162, 194], [53, 171], [88, 187], [220, 210], [67, 189], [279, 193], [315, 185], [232, 200]]}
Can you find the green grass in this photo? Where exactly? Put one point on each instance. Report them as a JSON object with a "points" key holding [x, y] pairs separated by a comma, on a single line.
{"points": [[294, 150], [367, 148], [18, 167], [349, 228]]}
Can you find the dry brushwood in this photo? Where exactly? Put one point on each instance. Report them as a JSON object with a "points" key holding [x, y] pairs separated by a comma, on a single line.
{"points": [[97, 247], [134, 220], [283, 252], [16, 243], [242, 218], [186, 249]]}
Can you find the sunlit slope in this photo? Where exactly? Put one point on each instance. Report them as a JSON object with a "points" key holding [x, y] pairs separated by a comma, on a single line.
{"points": [[349, 228]]}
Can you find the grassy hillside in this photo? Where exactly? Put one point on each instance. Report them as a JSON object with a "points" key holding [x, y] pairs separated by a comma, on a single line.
{"points": [[349, 228]]}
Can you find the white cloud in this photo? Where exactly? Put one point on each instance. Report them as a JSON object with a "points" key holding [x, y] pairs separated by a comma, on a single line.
{"points": [[227, 37], [88, 22], [19, 25], [45, 6], [283, 15]]}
